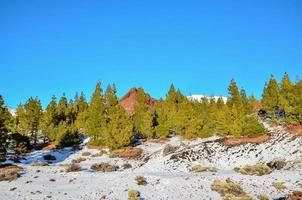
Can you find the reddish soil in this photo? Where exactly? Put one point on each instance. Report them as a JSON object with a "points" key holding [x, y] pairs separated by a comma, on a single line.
{"points": [[131, 153], [50, 147], [232, 141], [11, 168], [129, 100], [297, 129], [295, 195]]}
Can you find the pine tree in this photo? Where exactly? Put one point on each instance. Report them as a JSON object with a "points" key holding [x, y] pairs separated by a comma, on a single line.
{"points": [[82, 113], [251, 104], [95, 115], [117, 129], [5, 118], [142, 119], [234, 98], [244, 100], [29, 117], [287, 98], [271, 96], [62, 109], [49, 120]]}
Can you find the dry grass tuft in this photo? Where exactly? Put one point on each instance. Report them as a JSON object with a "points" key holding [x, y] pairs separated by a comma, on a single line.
{"points": [[140, 180], [73, 167], [229, 190], [104, 167], [133, 195], [257, 170], [279, 185]]}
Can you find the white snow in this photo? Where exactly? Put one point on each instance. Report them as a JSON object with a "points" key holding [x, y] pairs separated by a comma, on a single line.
{"points": [[167, 177], [198, 97]]}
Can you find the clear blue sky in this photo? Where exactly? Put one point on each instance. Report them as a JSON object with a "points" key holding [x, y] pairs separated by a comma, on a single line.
{"points": [[54, 46]]}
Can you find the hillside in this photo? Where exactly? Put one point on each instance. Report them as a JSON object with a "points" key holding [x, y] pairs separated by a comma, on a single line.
{"points": [[168, 173]]}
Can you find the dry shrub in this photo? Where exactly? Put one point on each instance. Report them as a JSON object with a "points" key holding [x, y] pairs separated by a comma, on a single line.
{"points": [[133, 195], [295, 195], [127, 166], [168, 149], [39, 164], [228, 189], [279, 185], [86, 153], [263, 197], [49, 157], [257, 170], [8, 175], [233, 197], [200, 168], [73, 167], [104, 167], [127, 153], [78, 160], [140, 180]]}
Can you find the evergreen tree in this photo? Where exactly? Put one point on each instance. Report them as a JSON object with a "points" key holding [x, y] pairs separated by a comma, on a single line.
{"points": [[82, 114], [5, 117], [29, 117], [287, 98], [117, 129], [49, 120], [271, 96], [95, 115], [234, 98], [244, 100], [62, 109]]}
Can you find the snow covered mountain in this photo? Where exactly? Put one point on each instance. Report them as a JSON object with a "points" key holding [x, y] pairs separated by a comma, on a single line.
{"points": [[198, 97]]}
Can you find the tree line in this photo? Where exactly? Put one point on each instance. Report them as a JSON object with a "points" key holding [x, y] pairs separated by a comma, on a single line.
{"points": [[107, 123]]}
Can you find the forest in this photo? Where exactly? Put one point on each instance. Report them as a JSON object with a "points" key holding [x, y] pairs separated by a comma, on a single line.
{"points": [[64, 121]]}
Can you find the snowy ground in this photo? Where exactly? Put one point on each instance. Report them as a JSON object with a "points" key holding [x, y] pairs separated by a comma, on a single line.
{"points": [[168, 176]]}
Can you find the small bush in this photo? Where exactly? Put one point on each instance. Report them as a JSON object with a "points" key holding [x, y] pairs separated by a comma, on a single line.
{"points": [[49, 157], [252, 127], [39, 164], [129, 153], [104, 167], [133, 195], [8, 175], [295, 195], [263, 197], [141, 180], [227, 187], [67, 136], [73, 168], [86, 153], [257, 170], [19, 143], [78, 160], [168, 149], [279, 185], [127, 166], [198, 168], [233, 197]]}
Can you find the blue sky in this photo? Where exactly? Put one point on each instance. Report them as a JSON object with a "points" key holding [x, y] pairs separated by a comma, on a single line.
{"points": [[53, 46]]}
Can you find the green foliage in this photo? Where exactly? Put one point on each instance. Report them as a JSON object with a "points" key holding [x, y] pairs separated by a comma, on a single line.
{"points": [[252, 127], [286, 97], [5, 118], [117, 128], [29, 117], [19, 143], [271, 95], [67, 136], [95, 115]]}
